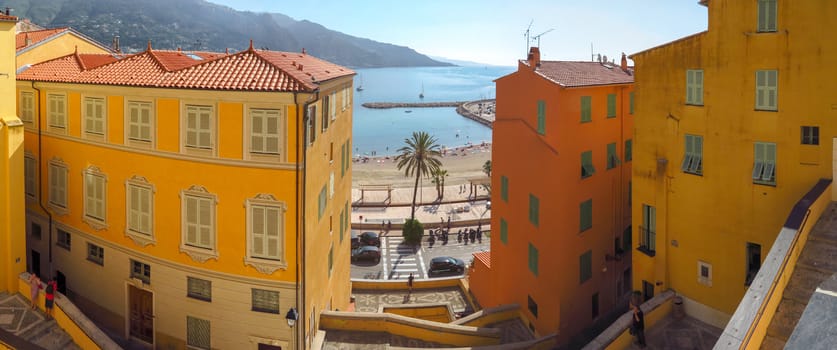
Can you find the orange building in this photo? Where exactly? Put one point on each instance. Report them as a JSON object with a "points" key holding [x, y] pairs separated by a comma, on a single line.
{"points": [[561, 194]]}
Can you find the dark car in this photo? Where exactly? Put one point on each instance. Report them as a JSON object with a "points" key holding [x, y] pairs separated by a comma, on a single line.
{"points": [[355, 240], [445, 264], [370, 238], [368, 252]]}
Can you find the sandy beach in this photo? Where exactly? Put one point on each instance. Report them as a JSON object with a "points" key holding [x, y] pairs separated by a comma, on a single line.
{"points": [[462, 163]]}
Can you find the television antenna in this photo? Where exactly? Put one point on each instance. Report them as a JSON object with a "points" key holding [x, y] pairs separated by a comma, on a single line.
{"points": [[538, 37], [526, 35]]}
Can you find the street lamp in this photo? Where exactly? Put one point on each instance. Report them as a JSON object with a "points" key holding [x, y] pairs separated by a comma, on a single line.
{"points": [[292, 316]]}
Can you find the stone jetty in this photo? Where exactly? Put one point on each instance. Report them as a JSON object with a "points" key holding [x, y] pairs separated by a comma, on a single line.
{"points": [[383, 105], [481, 111]]}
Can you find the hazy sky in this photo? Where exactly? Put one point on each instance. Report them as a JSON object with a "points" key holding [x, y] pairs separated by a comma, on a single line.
{"points": [[492, 31]]}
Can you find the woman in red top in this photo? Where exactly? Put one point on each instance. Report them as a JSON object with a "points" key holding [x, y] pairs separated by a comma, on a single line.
{"points": [[49, 296]]}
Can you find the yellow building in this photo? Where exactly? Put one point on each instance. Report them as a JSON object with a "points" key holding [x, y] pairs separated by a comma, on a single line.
{"points": [[12, 237], [36, 46], [192, 198], [727, 139]]}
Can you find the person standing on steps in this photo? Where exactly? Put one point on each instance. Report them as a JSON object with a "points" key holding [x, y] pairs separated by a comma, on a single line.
{"points": [[637, 319], [49, 296], [34, 289], [410, 284]]}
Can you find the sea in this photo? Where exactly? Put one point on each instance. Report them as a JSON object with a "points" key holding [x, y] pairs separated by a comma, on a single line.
{"points": [[382, 132]]}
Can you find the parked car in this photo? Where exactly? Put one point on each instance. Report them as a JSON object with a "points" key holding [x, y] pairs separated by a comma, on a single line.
{"points": [[355, 240], [368, 252], [445, 264], [370, 238]]}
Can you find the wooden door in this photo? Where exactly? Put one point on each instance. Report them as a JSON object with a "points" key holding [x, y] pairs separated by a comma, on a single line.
{"points": [[141, 304]]}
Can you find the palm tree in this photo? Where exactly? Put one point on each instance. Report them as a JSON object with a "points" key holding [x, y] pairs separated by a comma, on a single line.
{"points": [[420, 157], [439, 179]]}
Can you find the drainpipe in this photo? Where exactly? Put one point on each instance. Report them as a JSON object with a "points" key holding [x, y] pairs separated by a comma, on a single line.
{"points": [[41, 175], [301, 167]]}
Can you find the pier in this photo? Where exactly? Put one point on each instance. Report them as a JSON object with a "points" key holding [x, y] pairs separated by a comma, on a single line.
{"points": [[481, 111]]}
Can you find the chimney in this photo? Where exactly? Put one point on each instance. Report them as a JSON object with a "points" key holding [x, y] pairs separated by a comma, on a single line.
{"points": [[624, 63], [116, 44], [8, 11], [28, 40], [534, 57]]}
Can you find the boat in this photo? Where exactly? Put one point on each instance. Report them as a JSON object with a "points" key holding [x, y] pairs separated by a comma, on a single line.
{"points": [[408, 111], [360, 86], [421, 94]]}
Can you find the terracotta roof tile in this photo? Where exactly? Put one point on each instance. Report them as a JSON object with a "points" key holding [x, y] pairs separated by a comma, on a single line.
{"points": [[5, 17], [249, 70], [485, 257], [36, 36], [575, 74]]}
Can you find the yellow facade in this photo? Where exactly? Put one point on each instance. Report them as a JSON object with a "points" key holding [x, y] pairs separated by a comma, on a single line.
{"points": [[60, 44], [764, 85], [230, 175], [12, 241]]}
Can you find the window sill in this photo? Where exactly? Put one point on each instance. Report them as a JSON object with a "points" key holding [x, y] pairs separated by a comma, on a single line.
{"points": [[766, 110], [94, 223], [265, 266], [694, 104], [97, 262], [140, 239], [694, 173], [58, 210], [647, 251], [200, 255], [764, 183]]}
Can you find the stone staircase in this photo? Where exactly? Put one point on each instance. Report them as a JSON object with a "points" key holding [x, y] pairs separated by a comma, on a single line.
{"points": [[17, 317]]}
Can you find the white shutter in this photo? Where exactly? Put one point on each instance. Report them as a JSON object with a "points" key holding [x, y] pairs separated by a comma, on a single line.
{"points": [[144, 210], [205, 223], [191, 220], [257, 118], [272, 232], [258, 230]]}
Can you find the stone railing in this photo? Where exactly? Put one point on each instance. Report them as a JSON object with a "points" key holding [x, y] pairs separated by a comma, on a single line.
{"points": [[617, 336]]}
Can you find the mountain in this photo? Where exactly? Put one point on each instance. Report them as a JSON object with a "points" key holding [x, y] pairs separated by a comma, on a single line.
{"points": [[200, 25], [467, 63]]}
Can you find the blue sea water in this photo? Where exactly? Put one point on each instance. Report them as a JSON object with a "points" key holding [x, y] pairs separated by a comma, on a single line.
{"points": [[384, 130]]}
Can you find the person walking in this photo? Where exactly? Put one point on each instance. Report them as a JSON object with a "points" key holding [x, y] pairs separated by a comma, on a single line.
{"points": [[410, 284], [637, 320], [34, 289], [49, 296]]}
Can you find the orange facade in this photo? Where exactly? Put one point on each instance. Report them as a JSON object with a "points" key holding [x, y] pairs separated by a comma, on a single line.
{"points": [[561, 193]]}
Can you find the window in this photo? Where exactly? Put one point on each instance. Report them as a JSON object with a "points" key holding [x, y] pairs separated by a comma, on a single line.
{"points": [[764, 163], [27, 107], [704, 273], [533, 306], [585, 263], [533, 259], [586, 109], [36, 231], [332, 112], [311, 125], [504, 188], [541, 117], [330, 259], [348, 154], [343, 160], [630, 192], [611, 105], [63, 239], [57, 111], [141, 271], [626, 239], [587, 168], [504, 231], [345, 98], [648, 230], [693, 155], [767, 90], [197, 333], [198, 223], [199, 127], [594, 305], [810, 135], [629, 149], [322, 201], [95, 254], [30, 179], [586, 210], [94, 116], [347, 217], [694, 87], [265, 233], [631, 97], [266, 132], [767, 15], [325, 113], [753, 262], [58, 185], [534, 208], [342, 224], [95, 197], [140, 122], [265, 301], [197, 288], [612, 156], [140, 208]]}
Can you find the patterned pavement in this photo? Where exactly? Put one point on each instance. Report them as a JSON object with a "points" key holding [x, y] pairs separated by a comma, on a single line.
{"points": [[683, 334], [370, 300]]}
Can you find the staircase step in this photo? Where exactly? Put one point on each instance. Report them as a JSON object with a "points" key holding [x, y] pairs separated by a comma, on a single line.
{"points": [[54, 338], [37, 330]]}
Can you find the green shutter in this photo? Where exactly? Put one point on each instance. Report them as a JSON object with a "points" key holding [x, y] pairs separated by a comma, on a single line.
{"points": [[586, 109], [611, 105], [587, 168], [343, 160], [586, 214], [534, 204], [504, 231], [631, 95], [348, 225], [533, 259], [629, 150], [585, 262], [612, 157], [342, 224], [504, 188], [330, 259], [767, 11], [322, 202], [541, 117]]}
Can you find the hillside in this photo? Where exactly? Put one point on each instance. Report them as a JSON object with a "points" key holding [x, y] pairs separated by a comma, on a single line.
{"points": [[199, 25]]}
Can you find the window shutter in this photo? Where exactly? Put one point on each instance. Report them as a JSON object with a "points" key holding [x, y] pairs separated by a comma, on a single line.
{"points": [[192, 220], [258, 230], [541, 117], [205, 222], [698, 90], [272, 232], [586, 111], [759, 161], [611, 105]]}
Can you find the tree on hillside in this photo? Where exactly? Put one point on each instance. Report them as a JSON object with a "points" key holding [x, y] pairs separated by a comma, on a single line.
{"points": [[420, 157]]}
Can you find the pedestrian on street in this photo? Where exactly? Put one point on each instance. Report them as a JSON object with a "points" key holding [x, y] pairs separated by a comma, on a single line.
{"points": [[49, 296], [410, 283], [638, 319], [34, 289]]}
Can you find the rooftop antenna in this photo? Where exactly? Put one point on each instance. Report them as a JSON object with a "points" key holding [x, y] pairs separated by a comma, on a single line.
{"points": [[538, 37], [592, 55], [526, 35]]}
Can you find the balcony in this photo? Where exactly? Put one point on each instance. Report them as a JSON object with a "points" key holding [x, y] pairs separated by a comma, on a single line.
{"points": [[647, 241]]}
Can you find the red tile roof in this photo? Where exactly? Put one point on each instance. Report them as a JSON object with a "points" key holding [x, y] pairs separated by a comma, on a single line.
{"points": [[576, 74], [484, 257], [36, 36], [249, 70], [6, 18]]}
